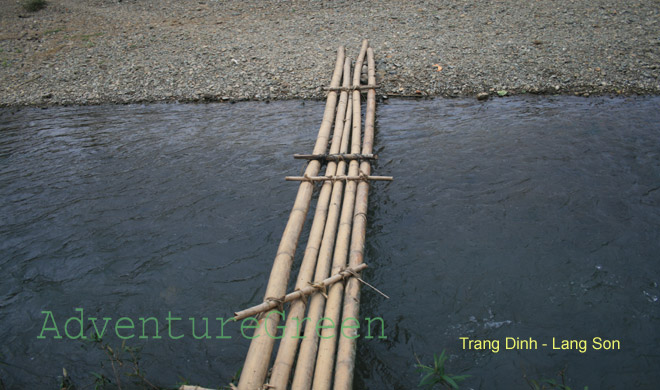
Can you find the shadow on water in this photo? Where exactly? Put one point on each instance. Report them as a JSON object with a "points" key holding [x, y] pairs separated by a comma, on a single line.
{"points": [[522, 217]]}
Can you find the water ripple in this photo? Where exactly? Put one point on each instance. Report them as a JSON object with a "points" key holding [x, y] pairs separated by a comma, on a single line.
{"points": [[538, 216]]}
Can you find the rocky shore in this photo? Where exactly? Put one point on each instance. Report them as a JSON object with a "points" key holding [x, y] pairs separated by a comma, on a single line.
{"points": [[102, 51]]}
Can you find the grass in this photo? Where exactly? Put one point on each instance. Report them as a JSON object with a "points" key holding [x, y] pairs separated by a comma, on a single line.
{"points": [[550, 384], [233, 383], [126, 369], [122, 369], [53, 31], [34, 5], [88, 37], [436, 374]]}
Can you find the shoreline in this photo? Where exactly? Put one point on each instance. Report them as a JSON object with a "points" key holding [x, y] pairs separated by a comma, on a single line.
{"points": [[379, 98], [132, 51]]}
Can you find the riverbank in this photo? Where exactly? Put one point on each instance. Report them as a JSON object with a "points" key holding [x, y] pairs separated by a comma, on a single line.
{"points": [[101, 51]]}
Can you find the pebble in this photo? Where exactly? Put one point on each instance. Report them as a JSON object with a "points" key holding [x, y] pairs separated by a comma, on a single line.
{"points": [[483, 95]]}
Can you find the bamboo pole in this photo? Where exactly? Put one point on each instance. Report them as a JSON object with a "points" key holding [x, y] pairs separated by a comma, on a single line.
{"points": [[299, 293], [259, 353], [305, 363], [327, 345], [323, 222], [305, 366], [344, 370]]}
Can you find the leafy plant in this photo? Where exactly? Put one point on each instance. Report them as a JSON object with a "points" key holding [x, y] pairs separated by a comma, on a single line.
{"points": [[436, 374]]}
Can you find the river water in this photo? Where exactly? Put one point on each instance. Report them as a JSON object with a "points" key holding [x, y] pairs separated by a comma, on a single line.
{"points": [[525, 217]]}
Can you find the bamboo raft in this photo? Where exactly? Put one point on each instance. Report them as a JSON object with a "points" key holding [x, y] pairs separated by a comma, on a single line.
{"points": [[334, 251]]}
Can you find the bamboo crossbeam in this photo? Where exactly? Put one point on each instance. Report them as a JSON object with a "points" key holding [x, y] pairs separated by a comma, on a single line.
{"points": [[259, 353], [337, 177], [315, 257], [323, 370], [353, 88], [345, 366], [299, 293], [336, 157]]}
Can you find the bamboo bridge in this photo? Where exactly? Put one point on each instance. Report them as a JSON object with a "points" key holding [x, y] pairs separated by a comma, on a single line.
{"points": [[324, 357]]}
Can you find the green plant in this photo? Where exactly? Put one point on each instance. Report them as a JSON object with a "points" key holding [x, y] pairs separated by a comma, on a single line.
{"points": [[233, 381], [65, 381], [550, 384], [124, 361], [436, 374], [34, 5], [182, 382], [100, 381]]}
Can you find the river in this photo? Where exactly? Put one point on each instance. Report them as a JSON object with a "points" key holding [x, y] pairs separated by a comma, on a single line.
{"points": [[523, 218]]}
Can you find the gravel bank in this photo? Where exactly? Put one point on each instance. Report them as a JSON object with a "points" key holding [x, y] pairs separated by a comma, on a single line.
{"points": [[99, 51]]}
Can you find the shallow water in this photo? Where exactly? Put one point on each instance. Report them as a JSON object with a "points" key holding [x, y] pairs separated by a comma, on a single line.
{"points": [[520, 217]]}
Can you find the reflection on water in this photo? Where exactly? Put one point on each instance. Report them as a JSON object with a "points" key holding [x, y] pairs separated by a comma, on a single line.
{"points": [[520, 217]]}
